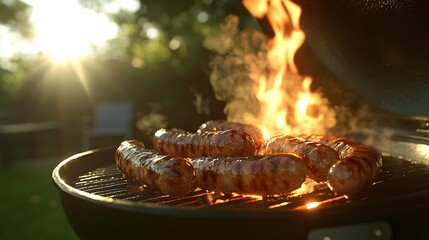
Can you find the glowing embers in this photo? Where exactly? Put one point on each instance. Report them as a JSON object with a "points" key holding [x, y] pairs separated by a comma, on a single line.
{"points": [[311, 205], [286, 202], [310, 195], [214, 198], [315, 204]]}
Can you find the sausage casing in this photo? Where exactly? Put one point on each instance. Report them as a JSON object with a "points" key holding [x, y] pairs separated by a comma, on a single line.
{"points": [[319, 158], [167, 175], [221, 125], [206, 144], [357, 168], [259, 174]]}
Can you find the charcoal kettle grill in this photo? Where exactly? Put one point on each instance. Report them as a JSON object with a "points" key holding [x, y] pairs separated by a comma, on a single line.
{"points": [[101, 204]]}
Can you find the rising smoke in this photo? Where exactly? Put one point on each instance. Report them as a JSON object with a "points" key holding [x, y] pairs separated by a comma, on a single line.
{"points": [[237, 68], [238, 54]]}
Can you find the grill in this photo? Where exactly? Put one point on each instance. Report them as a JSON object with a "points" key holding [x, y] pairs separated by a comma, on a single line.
{"points": [[100, 203], [397, 177]]}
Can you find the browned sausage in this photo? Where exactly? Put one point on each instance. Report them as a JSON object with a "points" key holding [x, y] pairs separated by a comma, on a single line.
{"points": [[206, 144], [319, 158], [262, 175], [357, 168], [167, 175], [221, 125]]}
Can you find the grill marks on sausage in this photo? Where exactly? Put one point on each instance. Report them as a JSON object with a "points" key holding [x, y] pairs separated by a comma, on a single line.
{"points": [[357, 168], [260, 174], [207, 144], [222, 125], [224, 161], [168, 175], [319, 158]]}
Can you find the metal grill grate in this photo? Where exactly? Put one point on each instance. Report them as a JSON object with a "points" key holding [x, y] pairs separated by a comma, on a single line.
{"points": [[398, 176]]}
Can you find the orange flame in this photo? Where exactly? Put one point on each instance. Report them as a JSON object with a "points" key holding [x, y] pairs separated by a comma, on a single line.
{"points": [[287, 104]]}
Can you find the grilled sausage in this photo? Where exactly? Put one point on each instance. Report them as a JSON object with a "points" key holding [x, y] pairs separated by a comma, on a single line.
{"points": [[206, 144], [167, 175], [357, 168], [221, 125], [319, 158], [259, 174]]}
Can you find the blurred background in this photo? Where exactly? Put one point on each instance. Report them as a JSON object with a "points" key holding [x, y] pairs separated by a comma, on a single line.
{"points": [[78, 75]]}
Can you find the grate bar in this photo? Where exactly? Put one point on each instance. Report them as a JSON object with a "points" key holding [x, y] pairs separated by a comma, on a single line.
{"points": [[105, 186]]}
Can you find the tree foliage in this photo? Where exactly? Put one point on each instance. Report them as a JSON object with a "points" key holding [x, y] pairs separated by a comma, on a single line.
{"points": [[15, 14], [157, 59]]}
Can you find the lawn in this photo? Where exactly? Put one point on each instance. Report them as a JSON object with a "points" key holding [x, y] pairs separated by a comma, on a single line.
{"points": [[29, 204], [30, 207]]}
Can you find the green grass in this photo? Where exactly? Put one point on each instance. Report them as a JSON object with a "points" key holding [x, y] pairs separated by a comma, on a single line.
{"points": [[30, 207], [29, 204]]}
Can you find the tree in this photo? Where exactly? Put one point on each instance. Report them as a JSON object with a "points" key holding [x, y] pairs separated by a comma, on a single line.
{"points": [[14, 18], [15, 14], [162, 42]]}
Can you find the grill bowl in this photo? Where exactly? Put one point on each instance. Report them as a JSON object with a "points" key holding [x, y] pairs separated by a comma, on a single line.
{"points": [[100, 203]]}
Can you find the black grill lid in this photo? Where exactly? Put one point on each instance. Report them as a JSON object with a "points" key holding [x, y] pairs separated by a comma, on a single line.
{"points": [[376, 49]]}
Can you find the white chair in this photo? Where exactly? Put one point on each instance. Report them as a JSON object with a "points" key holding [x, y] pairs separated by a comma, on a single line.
{"points": [[110, 119]]}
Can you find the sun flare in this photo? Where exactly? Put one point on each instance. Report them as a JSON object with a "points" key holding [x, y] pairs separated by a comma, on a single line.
{"points": [[65, 31]]}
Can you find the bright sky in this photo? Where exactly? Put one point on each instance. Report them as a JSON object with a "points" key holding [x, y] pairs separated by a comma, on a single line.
{"points": [[66, 31]]}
